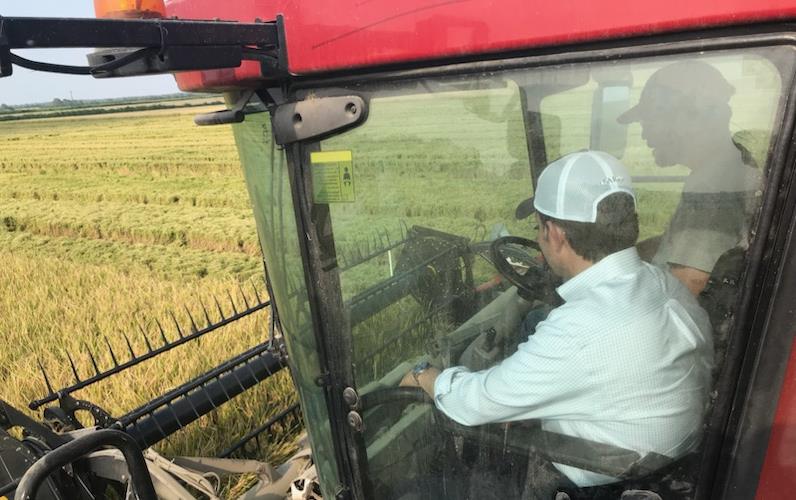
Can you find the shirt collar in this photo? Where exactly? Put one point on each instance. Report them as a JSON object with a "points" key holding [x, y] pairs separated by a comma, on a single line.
{"points": [[622, 262]]}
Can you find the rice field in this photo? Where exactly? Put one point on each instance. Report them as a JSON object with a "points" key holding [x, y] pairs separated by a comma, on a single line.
{"points": [[111, 222]]}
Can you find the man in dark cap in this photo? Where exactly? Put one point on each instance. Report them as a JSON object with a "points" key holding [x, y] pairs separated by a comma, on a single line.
{"points": [[684, 115]]}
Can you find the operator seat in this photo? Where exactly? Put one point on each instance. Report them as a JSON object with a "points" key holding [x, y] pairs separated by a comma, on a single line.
{"points": [[670, 479], [720, 297]]}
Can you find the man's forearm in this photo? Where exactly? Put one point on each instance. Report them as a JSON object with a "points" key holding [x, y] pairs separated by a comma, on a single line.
{"points": [[694, 279], [425, 380]]}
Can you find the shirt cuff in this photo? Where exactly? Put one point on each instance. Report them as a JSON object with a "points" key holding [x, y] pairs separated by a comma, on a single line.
{"points": [[444, 382]]}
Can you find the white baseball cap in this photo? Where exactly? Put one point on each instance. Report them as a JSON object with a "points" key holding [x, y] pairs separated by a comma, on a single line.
{"points": [[571, 187]]}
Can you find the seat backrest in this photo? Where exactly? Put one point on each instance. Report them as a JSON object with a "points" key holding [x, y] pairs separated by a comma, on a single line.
{"points": [[720, 297]]}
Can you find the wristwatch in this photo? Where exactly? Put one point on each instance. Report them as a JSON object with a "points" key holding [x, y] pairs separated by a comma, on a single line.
{"points": [[418, 369]]}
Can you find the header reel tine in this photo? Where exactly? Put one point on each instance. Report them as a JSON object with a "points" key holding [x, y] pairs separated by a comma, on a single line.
{"points": [[243, 294], [91, 357], [194, 328], [129, 346], [196, 334], [232, 302], [110, 350], [46, 378], [177, 324], [218, 306], [143, 334], [74, 369], [162, 333], [256, 294], [207, 316]]}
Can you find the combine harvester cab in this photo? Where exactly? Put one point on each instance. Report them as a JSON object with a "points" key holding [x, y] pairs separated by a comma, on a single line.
{"points": [[387, 151]]}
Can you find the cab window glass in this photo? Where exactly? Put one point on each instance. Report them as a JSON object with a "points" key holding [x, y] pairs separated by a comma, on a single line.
{"points": [[420, 191], [697, 142], [753, 99], [266, 173], [564, 315]]}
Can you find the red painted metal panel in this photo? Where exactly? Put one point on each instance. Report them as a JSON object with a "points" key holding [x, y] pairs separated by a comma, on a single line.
{"points": [[328, 35], [778, 478]]}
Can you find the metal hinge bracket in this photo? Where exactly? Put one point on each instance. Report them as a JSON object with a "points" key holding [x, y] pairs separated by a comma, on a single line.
{"points": [[317, 117]]}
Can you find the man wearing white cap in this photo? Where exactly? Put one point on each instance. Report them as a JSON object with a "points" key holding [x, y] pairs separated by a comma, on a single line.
{"points": [[626, 360]]}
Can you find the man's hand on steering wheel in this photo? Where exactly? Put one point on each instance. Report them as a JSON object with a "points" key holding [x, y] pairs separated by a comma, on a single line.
{"points": [[519, 261], [423, 375]]}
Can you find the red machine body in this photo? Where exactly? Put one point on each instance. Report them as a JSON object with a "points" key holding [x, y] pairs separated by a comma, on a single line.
{"points": [[779, 468], [332, 36], [329, 37]]}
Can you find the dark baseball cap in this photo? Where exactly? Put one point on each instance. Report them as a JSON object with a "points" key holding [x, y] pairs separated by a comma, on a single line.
{"points": [[693, 83]]}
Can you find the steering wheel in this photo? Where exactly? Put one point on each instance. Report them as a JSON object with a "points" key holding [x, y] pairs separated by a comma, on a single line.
{"points": [[380, 401], [490, 434], [517, 259], [444, 464], [405, 396], [395, 395]]}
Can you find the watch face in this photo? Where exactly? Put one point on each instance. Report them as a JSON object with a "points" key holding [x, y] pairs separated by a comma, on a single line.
{"points": [[420, 367]]}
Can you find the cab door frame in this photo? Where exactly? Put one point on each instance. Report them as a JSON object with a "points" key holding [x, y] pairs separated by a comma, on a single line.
{"points": [[763, 325]]}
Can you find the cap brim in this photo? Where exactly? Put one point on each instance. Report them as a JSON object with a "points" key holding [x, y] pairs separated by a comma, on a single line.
{"points": [[524, 209], [630, 116]]}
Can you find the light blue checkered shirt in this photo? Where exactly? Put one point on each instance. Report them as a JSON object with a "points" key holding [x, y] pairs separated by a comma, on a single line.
{"points": [[625, 361]]}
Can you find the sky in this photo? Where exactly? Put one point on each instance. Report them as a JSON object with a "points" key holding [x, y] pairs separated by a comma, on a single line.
{"points": [[26, 86]]}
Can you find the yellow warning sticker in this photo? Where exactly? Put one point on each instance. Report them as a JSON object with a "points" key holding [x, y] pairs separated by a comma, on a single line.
{"points": [[332, 177]]}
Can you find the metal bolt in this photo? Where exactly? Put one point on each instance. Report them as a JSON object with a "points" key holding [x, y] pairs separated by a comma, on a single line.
{"points": [[351, 108], [351, 397], [355, 421]]}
